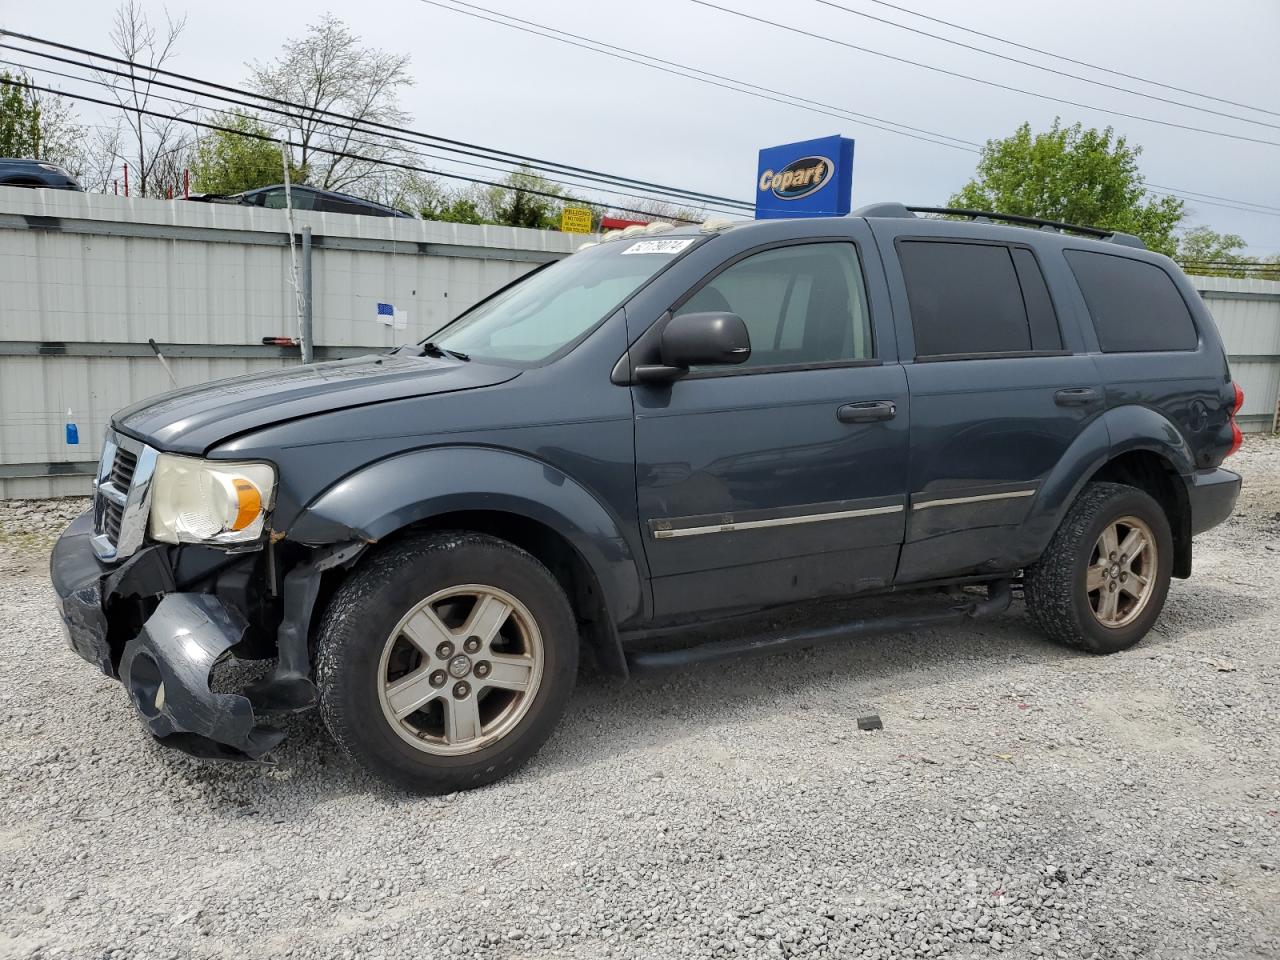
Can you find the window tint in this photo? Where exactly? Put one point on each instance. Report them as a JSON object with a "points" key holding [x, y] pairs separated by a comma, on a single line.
{"points": [[1045, 334], [965, 299], [275, 199], [801, 304], [1135, 305]]}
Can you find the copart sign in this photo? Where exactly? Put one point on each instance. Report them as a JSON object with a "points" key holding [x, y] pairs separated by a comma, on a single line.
{"points": [[813, 178]]}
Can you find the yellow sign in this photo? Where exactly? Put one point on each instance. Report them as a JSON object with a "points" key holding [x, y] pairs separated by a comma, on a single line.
{"points": [[575, 220]]}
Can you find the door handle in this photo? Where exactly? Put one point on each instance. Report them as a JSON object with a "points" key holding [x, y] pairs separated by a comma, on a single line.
{"points": [[868, 411], [1076, 397]]}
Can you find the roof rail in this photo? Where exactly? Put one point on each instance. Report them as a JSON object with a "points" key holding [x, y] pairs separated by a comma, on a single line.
{"points": [[901, 210]]}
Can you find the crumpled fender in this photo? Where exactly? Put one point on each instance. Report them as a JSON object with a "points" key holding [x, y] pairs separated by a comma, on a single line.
{"points": [[385, 496], [166, 670]]}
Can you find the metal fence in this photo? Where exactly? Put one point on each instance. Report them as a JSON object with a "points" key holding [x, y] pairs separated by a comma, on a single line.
{"points": [[1248, 315], [86, 280]]}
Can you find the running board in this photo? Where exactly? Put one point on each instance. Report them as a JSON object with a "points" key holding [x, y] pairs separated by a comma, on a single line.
{"points": [[997, 601]]}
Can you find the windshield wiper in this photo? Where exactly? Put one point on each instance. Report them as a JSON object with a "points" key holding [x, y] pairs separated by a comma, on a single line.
{"points": [[430, 349]]}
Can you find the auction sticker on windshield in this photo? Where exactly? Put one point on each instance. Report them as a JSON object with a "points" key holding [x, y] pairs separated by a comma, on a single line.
{"points": [[666, 245]]}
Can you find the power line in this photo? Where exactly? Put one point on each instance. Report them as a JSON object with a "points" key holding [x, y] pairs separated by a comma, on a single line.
{"points": [[964, 76], [416, 153], [1041, 66], [337, 153], [1168, 190], [1066, 59], [703, 76], [1182, 190], [439, 142], [553, 33]]}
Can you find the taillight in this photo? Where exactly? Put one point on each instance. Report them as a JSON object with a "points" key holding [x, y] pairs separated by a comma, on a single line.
{"points": [[1237, 437]]}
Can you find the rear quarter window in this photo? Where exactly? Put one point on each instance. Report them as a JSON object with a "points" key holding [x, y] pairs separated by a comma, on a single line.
{"points": [[976, 299], [1136, 307]]}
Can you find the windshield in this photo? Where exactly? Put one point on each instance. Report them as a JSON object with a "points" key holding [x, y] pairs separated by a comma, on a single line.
{"points": [[553, 307]]}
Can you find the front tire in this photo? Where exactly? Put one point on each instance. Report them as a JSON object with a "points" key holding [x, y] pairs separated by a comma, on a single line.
{"points": [[445, 661], [1102, 581]]}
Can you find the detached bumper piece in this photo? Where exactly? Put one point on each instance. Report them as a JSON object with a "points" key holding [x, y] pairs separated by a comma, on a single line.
{"points": [[167, 668]]}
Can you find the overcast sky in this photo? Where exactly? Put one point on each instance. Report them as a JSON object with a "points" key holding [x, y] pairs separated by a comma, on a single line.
{"points": [[485, 83]]}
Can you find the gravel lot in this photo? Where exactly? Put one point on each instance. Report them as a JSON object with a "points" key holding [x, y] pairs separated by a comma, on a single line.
{"points": [[1021, 800]]}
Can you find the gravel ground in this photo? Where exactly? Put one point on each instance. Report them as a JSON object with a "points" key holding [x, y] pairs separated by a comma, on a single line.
{"points": [[1022, 800]]}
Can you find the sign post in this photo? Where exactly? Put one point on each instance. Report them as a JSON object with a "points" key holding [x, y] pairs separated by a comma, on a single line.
{"points": [[812, 178]]}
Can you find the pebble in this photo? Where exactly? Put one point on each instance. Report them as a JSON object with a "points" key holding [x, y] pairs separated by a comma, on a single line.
{"points": [[725, 812]]}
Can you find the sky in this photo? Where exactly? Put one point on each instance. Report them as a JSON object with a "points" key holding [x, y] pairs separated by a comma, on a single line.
{"points": [[481, 82]]}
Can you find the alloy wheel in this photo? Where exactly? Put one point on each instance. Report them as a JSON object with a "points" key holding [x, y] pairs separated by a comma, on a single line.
{"points": [[460, 670], [1121, 576]]}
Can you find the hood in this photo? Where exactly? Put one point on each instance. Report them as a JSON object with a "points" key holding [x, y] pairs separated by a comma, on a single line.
{"points": [[196, 418]]}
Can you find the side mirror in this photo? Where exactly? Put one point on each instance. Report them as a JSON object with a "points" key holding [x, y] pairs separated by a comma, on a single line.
{"points": [[697, 339], [701, 339]]}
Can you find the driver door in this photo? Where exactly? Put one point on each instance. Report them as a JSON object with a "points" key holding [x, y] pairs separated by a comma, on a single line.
{"points": [[781, 479]]}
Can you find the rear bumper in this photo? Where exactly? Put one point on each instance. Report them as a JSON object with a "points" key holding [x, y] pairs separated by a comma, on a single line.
{"points": [[166, 667], [1212, 495]]}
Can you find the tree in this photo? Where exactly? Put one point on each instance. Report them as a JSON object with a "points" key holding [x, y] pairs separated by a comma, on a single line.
{"points": [[233, 162], [523, 202], [329, 70], [155, 147], [20, 130], [1073, 174], [38, 125], [659, 210], [1207, 253]]}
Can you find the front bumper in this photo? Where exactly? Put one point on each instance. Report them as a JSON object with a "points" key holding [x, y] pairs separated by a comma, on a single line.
{"points": [[1212, 495], [166, 667]]}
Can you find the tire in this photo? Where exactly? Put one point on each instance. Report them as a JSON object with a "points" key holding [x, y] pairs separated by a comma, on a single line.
{"points": [[1057, 586], [380, 651]]}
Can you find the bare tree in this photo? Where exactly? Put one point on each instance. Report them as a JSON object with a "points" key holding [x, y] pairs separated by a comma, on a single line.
{"points": [[330, 70], [97, 169], [660, 210], [153, 146]]}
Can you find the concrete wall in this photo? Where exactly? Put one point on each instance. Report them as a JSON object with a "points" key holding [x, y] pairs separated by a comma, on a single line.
{"points": [[87, 279]]}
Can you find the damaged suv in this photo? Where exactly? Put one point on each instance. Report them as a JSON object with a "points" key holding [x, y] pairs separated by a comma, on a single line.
{"points": [[669, 428]]}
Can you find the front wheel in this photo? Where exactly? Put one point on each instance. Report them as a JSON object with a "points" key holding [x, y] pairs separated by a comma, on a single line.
{"points": [[445, 661], [1102, 581]]}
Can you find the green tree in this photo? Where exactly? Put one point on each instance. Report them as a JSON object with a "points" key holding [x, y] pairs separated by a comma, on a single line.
{"points": [[20, 129], [1073, 174], [226, 162], [1205, 252], [519, 205]]}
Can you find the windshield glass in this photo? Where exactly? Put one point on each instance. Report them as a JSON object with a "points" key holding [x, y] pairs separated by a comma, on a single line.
{"points": [[551, 309]]}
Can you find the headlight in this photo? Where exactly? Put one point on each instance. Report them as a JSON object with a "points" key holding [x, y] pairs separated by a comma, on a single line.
{"points": [[209, 501]]}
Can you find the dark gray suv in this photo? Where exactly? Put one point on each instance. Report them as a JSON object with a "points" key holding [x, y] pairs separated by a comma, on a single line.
{"points": [[672, 427]]}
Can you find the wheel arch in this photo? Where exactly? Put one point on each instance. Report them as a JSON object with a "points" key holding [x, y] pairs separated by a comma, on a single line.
{"points": [[1130, 444], [505, 494]]}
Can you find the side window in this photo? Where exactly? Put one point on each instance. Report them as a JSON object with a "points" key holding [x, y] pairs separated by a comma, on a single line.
{"points": [[1136, 307], [802, 304], [302, 199], [976, 298]]}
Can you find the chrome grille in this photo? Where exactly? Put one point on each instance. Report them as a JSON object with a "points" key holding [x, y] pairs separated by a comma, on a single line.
{"points": [[122, 496]]}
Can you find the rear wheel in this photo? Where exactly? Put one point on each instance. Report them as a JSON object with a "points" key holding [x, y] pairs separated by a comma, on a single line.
{"points": [[445, 661], [1102, 581]]}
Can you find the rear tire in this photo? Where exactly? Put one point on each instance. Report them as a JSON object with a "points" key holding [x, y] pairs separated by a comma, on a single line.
{"points": [[1102, 581], [445, 661]]}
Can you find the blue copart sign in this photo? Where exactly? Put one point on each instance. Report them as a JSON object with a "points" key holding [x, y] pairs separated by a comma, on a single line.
{"points": [[813, 178]]}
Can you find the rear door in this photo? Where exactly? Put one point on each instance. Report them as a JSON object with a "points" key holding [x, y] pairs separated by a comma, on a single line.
{"points": [[999, 391], [781, 479]]}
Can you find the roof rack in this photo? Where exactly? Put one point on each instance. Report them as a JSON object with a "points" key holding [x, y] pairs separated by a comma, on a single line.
{"points": [[900, 210]]}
